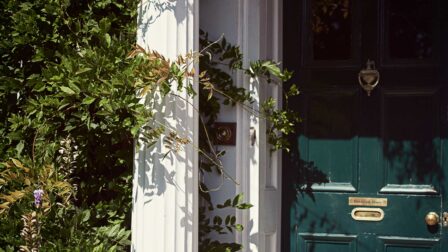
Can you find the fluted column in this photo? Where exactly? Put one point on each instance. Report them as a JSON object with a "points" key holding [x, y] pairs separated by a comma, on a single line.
{"points": [[165, 192]]}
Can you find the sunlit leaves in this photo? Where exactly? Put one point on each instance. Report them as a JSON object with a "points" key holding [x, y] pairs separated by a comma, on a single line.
{"points": [[154, 73]]}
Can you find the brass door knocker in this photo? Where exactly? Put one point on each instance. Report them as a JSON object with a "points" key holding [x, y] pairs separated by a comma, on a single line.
{"points": [[369, 77]]}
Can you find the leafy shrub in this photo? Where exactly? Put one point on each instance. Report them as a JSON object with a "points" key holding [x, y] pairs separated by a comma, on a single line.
{"points": [[65, 77]]}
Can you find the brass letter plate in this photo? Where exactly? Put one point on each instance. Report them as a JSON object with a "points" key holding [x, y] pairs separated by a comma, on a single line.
{"points": [[358, 201], [367, 214]]}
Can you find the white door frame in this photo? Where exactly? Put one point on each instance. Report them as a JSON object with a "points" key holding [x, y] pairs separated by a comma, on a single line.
{"points": [[258, 170]]}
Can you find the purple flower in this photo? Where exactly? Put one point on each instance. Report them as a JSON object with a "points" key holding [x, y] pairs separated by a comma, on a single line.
{"points": [[38, 197]]}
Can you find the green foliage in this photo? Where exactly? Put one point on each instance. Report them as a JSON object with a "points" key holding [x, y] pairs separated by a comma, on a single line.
{"points": [[71, 109], [281, 123], [71, 105], [65, 75]]}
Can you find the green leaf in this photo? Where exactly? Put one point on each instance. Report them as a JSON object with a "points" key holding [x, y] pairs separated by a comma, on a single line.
{"points": [[67, 90], [86, 216], [19, 147], [237, 199], [244, 206], [239, 227], [99, 248], [88, 100], [293, 90], [232, 220], [113, 231], [17, 163], [210, 95], [83, 70], [112, 249], [217, 220], [227, 221], [107, 38], [134, 130], [74, 87]]}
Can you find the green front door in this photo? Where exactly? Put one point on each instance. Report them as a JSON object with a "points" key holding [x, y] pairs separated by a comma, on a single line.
{"points": [[366, 170]]}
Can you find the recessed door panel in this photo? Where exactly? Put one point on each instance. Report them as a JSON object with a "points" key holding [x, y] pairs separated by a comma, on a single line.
{"points": [[325, 243], [330, 142], [406, 244], [332, 32], [410, 29], [412, 140]]}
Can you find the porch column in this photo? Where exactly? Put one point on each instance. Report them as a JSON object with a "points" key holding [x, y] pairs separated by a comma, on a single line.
{"points": [[165, 191]]}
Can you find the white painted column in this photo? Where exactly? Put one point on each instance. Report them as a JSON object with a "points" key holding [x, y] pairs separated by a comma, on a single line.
{"points": [[165, 192]]}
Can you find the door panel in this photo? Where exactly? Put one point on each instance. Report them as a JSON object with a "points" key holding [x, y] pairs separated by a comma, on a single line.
{"points": [[391, 145], [324, 242], [410, 31], [338, 159], [411, 141], [331, 38], [406, 244]]}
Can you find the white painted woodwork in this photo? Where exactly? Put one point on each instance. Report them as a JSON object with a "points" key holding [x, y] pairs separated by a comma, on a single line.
{"points": [[165, 192], [248, 161], [272, 174], [255, 25], [260, 170], [221, 18]]}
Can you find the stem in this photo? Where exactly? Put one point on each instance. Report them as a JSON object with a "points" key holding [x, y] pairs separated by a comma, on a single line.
{"points": [[32, 149]]}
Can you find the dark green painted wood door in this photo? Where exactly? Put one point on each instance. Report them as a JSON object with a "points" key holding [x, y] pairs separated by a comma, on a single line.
{"points": [[390, 145]]}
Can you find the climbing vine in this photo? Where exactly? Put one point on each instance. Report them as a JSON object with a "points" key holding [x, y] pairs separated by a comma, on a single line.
{"points": [[219, 60]]}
